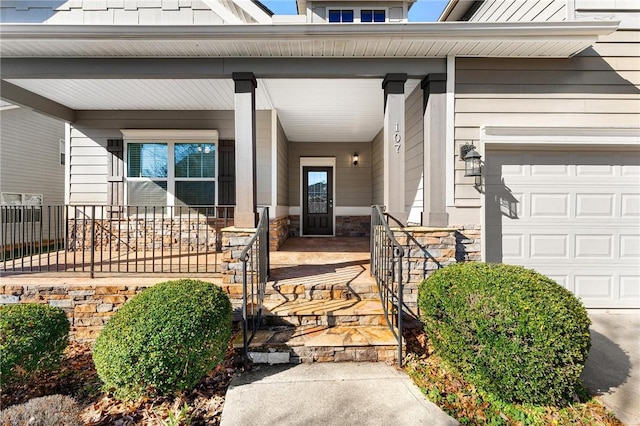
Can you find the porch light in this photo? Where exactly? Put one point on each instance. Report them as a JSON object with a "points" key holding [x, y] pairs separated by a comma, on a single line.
{"points": [[471, 157], [355, 158]]}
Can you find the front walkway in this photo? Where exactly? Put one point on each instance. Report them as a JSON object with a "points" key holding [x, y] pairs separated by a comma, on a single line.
{"points": [[328, 394]]}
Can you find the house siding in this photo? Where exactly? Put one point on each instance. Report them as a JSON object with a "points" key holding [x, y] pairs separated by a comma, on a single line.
{"points": [[520, 10], [23, 133], [352, 183], [377, 170], [283, 166], [118, 12], [414, 154], [597, 88], [89, 134]]}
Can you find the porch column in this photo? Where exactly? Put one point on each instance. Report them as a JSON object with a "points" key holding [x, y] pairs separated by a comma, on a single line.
{"points": [[245, 131], [434, 211], [394, 133]]}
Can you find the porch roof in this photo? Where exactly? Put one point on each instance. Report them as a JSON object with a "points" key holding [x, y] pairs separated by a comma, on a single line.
{"points": [[504, 39]]}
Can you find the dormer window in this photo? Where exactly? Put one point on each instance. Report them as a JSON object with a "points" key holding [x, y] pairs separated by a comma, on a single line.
{"points": [[368, 15], [336, 15]]}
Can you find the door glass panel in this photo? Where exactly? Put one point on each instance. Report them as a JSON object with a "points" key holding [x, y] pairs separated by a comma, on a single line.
{"points": [[317, 192]]}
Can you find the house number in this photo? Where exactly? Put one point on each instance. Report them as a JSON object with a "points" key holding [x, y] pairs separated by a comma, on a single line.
{"points": [[397, 138]]}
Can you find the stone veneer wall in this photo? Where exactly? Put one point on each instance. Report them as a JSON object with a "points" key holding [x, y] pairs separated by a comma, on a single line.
{"points": [[233, 242], [346, 226], [429, 249], [88, 307], [140, 234], [278, 232]]}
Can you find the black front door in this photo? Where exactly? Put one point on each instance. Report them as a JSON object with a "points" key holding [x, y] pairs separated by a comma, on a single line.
{"points": [[317, 200]]}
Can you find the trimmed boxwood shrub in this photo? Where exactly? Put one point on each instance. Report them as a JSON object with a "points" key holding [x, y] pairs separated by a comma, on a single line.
{"points": [[511, 331], [32, 339], [164, 339]]}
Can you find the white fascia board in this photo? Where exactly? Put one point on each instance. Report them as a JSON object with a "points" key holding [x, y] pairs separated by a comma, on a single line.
{"points": [[253, 10], [219, 9], [497, 135], [409, 31]]}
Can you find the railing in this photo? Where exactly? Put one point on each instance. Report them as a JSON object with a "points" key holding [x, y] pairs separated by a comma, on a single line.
{"points": [[112, 239], [386, 267], [255, 272]]}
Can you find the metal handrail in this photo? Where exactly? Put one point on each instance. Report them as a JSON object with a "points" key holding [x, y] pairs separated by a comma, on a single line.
{"points": [[255, 273], [386, 267], [114, 239]]}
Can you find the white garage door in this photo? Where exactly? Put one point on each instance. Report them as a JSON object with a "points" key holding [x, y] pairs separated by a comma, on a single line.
{"points": [[573, 216]]}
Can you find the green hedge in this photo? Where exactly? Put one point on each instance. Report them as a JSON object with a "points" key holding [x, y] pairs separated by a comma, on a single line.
{"points": [[165, 339], [32, 339], [511, 331]]}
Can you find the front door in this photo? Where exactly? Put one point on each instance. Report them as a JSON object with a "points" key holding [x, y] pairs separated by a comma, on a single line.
{"points": [[317, 203]]}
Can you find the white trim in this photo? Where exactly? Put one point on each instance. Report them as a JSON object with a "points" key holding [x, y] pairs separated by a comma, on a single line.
{"points": [[67, 163], [571, 10], [450, 129], [218, 8], [156, 135], [254, 11], [321, 162], [558, 136], [274, 164]]}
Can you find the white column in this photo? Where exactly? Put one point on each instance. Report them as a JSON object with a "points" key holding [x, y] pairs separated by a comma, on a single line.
{"points": [[245, 131], [394, 143], [434, 212]]}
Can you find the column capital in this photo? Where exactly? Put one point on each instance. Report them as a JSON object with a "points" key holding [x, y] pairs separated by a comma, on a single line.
{"points": [[394, 83], [245, 82], [435, 83]]}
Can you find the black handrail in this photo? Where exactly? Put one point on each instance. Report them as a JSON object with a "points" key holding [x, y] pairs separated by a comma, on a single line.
{"points": [[255, 273], [105, 238], [386, 267]]}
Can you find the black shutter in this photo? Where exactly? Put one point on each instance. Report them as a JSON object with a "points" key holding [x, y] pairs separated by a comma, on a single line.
{"points": [[227, 173], [115, 176]]}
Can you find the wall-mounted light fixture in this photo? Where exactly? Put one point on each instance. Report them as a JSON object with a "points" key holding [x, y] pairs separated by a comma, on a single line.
{"points": [[471, 157], [355, 158]]}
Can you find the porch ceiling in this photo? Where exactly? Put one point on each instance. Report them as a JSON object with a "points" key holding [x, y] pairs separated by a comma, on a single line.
{"points": [[310, 110]]}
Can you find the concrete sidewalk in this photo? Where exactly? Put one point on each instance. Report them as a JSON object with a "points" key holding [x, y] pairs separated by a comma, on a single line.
{"points": [[612, 370], [328, 394]]}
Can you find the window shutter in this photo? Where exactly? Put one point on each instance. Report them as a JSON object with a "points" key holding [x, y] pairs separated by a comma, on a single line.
{"points": [[227, 173], [115, 176]]}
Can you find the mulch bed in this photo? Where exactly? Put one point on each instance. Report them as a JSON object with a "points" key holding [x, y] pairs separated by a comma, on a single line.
{"points": [[77, 377]]}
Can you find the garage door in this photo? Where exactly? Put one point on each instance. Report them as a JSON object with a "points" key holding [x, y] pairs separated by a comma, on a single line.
{"points": [[573, 216]]}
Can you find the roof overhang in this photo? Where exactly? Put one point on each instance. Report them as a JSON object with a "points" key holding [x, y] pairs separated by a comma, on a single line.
{"points": [[504, 39]]}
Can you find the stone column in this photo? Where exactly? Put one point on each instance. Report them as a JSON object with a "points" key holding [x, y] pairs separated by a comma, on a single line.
{"points": [[434, 211], [394, 135], [245, 130]]}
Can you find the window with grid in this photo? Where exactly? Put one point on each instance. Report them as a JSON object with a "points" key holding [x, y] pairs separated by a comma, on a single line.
{"points": [[337, 15], [171, 173], [370, 15]]}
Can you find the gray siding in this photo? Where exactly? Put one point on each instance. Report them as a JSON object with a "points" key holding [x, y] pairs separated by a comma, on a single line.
{"points": [[598, 88], [119, 12], [377, 169], [353, 183], [30, 154], [92, 129], [520, 10], [414, 154], [283, 167]]}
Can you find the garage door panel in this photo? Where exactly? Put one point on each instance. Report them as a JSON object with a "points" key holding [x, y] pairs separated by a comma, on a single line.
{"points": [[573, 216], [595, 205]]}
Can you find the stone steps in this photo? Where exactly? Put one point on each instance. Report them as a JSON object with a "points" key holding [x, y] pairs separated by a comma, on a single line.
{"points": [[324, 312], [308, 343]]}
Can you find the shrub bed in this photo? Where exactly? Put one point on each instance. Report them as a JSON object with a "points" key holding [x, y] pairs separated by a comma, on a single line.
{"points": [[32, 339], [511, 331], [164, 339]]}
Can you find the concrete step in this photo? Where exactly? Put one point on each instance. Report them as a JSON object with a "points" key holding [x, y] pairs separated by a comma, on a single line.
{"points": [[324, 312], [308, 343]]}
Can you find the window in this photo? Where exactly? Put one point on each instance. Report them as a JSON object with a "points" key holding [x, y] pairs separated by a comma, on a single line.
{"points": [[336, 15], [29, 205], [369, 15], [171, 173]]}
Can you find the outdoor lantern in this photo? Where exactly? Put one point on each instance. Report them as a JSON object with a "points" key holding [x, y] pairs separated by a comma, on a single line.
{"points": [[471, 159], [355, 159]]}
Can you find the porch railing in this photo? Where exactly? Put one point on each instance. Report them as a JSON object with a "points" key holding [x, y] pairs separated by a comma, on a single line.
{"points": [[112, 239], [386, 267], [255, 273]]}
